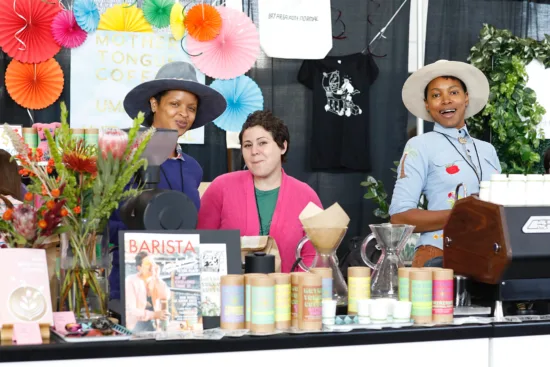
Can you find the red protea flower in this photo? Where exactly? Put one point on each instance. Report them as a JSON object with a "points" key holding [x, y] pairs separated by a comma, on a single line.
{"points": [[113, 141], [25, 221]]}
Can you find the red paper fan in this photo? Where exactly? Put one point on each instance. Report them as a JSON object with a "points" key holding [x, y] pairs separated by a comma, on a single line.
{"points": [[25, 34], [34, 86]]}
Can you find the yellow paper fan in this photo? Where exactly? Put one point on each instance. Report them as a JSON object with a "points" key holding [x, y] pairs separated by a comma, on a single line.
{"points": [[176, 21], [124, 18]]}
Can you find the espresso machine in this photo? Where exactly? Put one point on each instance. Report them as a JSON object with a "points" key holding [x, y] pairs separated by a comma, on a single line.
{"points": [[158, 209], [504, 251]]}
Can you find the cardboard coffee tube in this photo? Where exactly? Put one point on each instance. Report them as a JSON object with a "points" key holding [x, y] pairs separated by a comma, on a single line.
{"points": [[91, 137], [294, 311], [442, 295], [262, 304], [310, 291], [326, 275], [78, 134], [404, 283], [247, 296], [282, 300], [421, 296], [232, 302], [30, 135], [358, 286]]}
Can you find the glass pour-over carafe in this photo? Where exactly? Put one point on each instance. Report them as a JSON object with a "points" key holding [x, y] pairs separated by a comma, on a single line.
{"points": [[390, 238], [326, 242]]}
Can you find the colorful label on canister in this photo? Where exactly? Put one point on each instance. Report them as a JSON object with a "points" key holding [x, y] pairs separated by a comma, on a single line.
{"points": [[31, 139], [312, 310], [247, 303], [78, 136], [327, 288], [282, 302], [358, 288], [442, 296], [294, 301], [232, 297], [263, 305], [91, 139], [404, 289], [421, 297]]}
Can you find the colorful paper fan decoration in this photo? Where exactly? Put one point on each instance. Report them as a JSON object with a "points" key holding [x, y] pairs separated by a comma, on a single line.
{"points": [[66, 32], [203, 22], [34, 86], [230, 54], [157, 12], [176, 21], [25, 34], [86, 14], [124, 18], [243, 97]]}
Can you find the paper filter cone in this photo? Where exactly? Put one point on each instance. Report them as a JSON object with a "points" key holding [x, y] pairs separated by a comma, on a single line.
{"points": [[325, 240]]}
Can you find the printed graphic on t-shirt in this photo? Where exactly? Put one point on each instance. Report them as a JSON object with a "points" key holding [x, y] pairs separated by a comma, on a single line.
{"points": [[340, 94]]}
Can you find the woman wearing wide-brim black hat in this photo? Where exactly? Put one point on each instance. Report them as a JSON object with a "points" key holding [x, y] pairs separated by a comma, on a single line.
{"points": [[173, 100]]}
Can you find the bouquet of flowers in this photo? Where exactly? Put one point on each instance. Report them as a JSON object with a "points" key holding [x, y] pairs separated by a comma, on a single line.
{"points": [[88, 186]]}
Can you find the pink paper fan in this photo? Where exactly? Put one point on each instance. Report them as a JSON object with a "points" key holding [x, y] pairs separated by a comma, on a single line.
{"points": [[66, 32], [233, 52]]}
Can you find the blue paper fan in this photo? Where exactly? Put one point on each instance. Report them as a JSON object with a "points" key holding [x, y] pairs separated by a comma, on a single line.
{"points": [[243, 97], [86, 15]]}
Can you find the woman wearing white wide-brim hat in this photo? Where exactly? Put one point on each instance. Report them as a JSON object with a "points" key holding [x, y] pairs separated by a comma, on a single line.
{"points": [[433, 164]]}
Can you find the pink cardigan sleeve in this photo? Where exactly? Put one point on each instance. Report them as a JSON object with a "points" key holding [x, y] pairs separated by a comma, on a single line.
{"points": [[210, 213], [308, 252]]}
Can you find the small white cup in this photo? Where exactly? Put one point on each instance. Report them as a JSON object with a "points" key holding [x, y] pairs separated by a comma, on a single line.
{"points": [[363, 310], [329, 311], [390, 303], [402, 311], [379, 311], [363, 307]]}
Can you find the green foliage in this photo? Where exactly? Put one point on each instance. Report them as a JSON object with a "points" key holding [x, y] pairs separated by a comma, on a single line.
{"points": [[512, 112]]}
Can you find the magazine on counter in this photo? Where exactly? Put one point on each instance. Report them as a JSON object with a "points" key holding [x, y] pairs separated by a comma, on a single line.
{"points": [[162, 282]]}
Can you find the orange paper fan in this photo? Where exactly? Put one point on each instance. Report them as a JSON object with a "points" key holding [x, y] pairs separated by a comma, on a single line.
{"points": [[203, 22], [34, 86]]}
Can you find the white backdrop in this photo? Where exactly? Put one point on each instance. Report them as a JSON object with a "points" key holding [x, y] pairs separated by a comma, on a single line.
{"points": [[108, 65]]}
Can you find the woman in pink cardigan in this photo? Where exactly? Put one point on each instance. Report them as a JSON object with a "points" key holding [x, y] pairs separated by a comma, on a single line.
{"points": [[262, 200]]}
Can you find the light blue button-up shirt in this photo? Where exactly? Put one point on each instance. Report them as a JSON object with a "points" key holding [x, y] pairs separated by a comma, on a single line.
{"points": [[430, 165]]}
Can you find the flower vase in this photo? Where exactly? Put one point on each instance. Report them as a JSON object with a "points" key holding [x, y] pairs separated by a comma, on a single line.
{"points": [[84, 269]]}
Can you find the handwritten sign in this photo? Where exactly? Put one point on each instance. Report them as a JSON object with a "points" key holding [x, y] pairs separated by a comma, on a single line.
{"points": [[108, 65]]}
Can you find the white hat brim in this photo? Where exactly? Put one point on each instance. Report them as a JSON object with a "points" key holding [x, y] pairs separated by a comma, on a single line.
{"points": [[476, 82]]}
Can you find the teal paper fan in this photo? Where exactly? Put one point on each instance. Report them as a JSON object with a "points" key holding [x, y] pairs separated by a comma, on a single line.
{"points": [[86, 15], [157, 12], [243, 97]]}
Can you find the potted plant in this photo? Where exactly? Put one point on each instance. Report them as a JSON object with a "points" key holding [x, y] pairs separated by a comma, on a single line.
{"points": [[77, 192]]}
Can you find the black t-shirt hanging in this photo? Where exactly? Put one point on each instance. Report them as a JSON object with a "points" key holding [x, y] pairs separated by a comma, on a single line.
{"points": [[340, 121]]}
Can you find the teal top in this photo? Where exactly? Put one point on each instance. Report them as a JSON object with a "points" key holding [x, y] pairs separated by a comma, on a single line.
{"points": [[266, 202]]}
